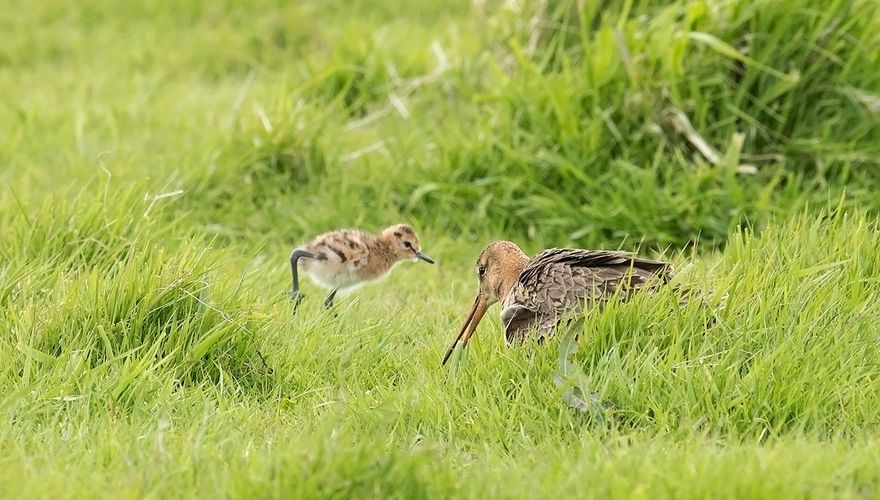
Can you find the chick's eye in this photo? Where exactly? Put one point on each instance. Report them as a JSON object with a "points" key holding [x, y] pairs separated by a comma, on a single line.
{"points": [[407, 244], [481, 270]]}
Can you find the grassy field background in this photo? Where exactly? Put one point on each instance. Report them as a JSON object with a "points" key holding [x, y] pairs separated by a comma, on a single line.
{"points": [[159, 160]]}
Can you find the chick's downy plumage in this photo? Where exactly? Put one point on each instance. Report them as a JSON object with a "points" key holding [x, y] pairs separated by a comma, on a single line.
{"points": [[346, 259]]}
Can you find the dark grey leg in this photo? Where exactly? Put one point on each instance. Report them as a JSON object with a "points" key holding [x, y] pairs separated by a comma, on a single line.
{"points": [[328, 302], [295, 295]]}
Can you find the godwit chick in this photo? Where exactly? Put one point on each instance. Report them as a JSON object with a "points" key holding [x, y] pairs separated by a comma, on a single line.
{"points": [[344, 260], [536, 292]]}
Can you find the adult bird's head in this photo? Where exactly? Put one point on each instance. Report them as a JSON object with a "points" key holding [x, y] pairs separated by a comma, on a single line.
{"points": [[498, 269]]}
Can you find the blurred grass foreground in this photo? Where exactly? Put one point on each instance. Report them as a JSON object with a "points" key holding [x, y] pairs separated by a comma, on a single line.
{"points": [[160, 159]]}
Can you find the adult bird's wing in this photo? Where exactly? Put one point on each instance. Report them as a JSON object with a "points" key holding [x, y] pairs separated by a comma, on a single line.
{"points": [[560, 279]]}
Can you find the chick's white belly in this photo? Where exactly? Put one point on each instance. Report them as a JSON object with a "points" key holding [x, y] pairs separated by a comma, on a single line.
{"points": [[332, 276]]}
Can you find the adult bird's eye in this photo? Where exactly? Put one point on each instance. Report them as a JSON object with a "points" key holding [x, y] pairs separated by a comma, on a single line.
{"points": [[481, 270]]}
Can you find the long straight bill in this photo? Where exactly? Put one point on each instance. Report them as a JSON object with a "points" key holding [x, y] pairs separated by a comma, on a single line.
{"points": [[478, 309]]}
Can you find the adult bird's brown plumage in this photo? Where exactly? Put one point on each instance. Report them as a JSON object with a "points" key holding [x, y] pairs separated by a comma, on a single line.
{"points": [[535, 293]]}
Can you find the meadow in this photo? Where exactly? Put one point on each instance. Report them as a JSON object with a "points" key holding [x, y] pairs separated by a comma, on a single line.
{"points": [[159, 160]]}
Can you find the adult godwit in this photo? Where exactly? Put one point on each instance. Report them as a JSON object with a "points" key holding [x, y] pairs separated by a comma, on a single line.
{"points": [[346, 259], [534, 293]]}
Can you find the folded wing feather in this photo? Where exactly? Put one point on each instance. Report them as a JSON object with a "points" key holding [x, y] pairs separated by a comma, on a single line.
{"points": [[559, 280]]}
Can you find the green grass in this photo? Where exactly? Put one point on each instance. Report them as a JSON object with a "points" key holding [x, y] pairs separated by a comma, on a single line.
{"points": [[159, 160]]}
